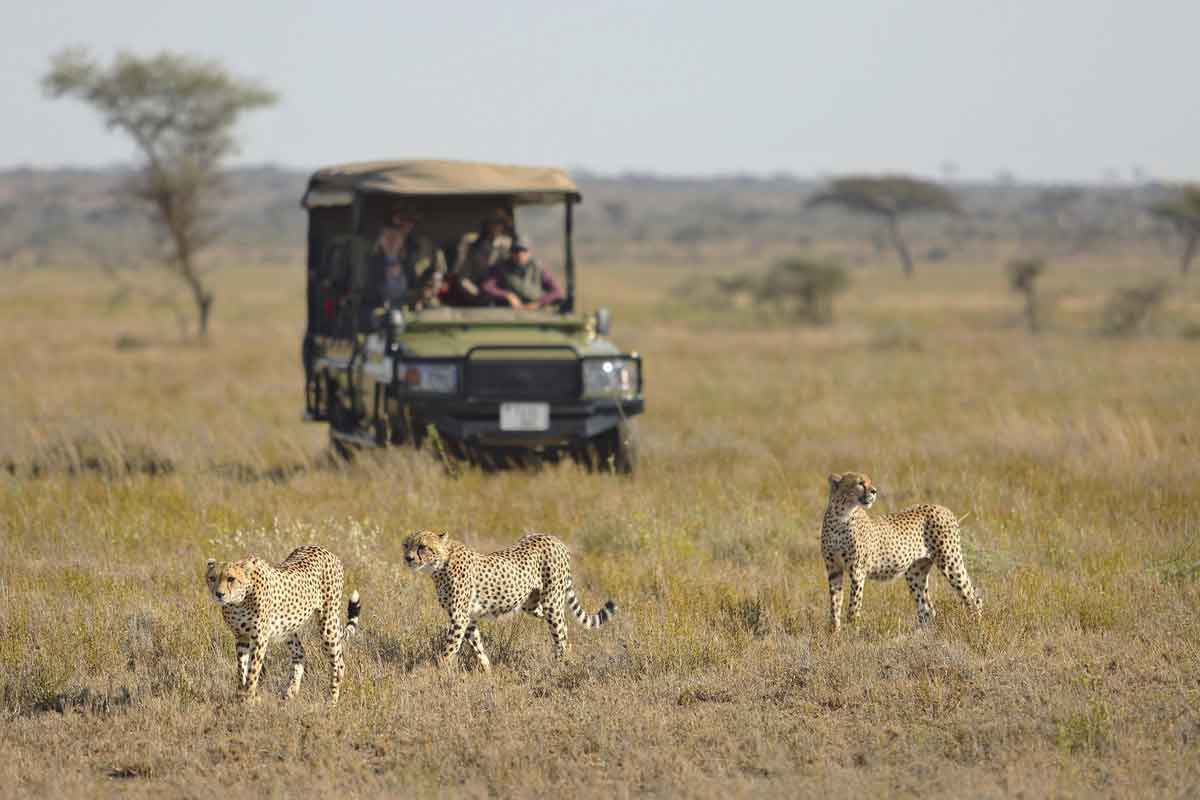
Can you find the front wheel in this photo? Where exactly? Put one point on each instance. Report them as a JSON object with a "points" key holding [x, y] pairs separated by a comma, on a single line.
{"points": [[342, 450], [616, 450]]}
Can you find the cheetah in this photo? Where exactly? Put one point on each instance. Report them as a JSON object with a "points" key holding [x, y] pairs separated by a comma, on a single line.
{"points": [[261, 602], [910, 541], [533, 576]]}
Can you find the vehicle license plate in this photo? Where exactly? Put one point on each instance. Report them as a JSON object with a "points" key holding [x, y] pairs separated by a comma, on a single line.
{"points": [[524, 416]]}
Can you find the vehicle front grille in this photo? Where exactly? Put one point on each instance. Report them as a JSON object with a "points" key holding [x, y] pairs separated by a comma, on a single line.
{"points": [[549, 380]]}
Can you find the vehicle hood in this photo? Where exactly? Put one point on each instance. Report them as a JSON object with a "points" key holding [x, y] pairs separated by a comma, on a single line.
{"points": [[452, 332]]}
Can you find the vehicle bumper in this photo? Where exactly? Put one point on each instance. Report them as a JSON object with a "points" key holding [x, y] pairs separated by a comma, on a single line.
{"points": [[478, 423]]}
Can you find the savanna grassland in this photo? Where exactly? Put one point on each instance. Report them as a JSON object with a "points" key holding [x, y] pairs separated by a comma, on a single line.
{"points": [[129, 458]]}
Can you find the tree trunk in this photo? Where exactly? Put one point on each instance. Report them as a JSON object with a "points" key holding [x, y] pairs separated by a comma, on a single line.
{"points": [[204, 308], [201, 296], [1031, 310], [906, 261], [1189, 252]]}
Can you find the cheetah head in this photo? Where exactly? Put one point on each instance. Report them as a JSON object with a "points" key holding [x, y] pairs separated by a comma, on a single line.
{"points": [[426, 551], [228, 581], [853, 487]]}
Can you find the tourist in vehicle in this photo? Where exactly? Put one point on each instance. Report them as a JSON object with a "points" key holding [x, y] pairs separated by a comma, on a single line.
{"points": [[406, 269], [478, 252], [520, 282]]}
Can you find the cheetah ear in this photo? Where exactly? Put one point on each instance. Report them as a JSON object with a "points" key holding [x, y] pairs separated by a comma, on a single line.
{"points": [[443, 536], [834, 480], [212, 562]]}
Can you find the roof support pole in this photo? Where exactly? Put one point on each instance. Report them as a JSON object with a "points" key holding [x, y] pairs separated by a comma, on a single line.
{"points": [[569, 256]]}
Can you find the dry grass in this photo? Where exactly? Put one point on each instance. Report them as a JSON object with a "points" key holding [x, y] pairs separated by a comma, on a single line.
{"points": [[1074, 454]]}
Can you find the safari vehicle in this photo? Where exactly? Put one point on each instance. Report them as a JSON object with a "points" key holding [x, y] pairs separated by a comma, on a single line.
{"points": [[496, 386]]}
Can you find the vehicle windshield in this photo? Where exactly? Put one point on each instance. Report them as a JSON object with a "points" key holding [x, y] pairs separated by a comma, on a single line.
{"points": [[464, 255]]}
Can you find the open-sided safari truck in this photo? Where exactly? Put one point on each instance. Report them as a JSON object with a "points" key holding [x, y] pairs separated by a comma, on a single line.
{"points": [[492, 385]]}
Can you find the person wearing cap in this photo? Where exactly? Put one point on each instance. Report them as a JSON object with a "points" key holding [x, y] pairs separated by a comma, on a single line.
{"points": [[406, 269], [520, 282]]}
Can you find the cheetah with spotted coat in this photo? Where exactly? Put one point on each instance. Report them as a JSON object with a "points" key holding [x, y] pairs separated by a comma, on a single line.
{"points": [[533, 576], [910, 542], [261, 602]]}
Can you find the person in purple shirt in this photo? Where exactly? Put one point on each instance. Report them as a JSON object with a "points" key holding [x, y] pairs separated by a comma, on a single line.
{"points": [[520, 282]]}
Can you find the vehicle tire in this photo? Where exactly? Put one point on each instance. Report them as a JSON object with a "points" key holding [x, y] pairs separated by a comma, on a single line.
{"points": [[343, 451], [616, 450], [338, 421], [379, 430]]}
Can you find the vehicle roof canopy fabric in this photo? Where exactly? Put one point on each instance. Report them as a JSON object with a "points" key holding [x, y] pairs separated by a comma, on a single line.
{"points": [[334, 186]]}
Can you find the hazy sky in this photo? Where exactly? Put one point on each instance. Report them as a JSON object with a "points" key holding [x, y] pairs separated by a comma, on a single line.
{"points": [[1061, 89]]}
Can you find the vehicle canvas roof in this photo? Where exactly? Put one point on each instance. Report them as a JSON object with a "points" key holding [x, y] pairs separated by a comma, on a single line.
{"points": [[335, 185]]}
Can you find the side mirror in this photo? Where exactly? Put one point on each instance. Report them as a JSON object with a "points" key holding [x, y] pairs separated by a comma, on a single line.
{"points": [[603, 321]]}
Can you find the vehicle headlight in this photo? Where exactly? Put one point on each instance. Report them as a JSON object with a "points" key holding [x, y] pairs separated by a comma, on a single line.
{"points": [[610, 377], [434, 378]]}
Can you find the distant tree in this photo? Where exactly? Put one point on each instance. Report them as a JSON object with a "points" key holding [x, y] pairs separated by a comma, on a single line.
{"points": [[889, 198], [1022, 277], [11, 240], [180, 112], [1183, 212], [1054, 203], [1057, 210], [617, 212], [693, 233]]}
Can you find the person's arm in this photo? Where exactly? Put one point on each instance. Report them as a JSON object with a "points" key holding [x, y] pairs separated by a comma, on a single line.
{"points": [[491, 287], [552, 292]]}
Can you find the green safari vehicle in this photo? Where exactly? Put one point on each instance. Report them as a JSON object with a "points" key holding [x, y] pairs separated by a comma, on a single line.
{"points": [[497, 386]]}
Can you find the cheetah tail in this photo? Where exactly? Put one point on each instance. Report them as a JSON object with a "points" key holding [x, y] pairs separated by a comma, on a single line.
{"points": [[352, 613], [590, 620]]}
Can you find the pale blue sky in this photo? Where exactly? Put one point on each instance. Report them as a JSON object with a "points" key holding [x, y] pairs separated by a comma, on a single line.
{"points": [[1062, 89]]}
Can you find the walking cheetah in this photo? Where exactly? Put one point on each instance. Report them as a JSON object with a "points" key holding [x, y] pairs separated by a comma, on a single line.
{"points": [[880, 548], [534, 575], [261, 602]]}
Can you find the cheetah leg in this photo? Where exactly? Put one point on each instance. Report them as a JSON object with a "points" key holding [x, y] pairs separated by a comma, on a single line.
{"points": [[952, 566], [331, 641], [917, 577], [258, 651], [556, 618], [835, 601], [477, 646], [243, 659], [454, 637], [297, 650], [857, 579]]}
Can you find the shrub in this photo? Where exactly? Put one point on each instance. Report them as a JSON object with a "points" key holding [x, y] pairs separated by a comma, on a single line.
{"points": [[804, 288], [1130, 310], [1022, 278]]}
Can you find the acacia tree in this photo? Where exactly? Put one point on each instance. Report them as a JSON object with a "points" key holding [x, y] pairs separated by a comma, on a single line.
{"points": [[180, 112], [1183, 212], [889, 198]]}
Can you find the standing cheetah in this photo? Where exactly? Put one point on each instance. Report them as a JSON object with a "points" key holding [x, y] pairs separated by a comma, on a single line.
{"points": [[534, 575], [910, 541], [260, 602]]}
